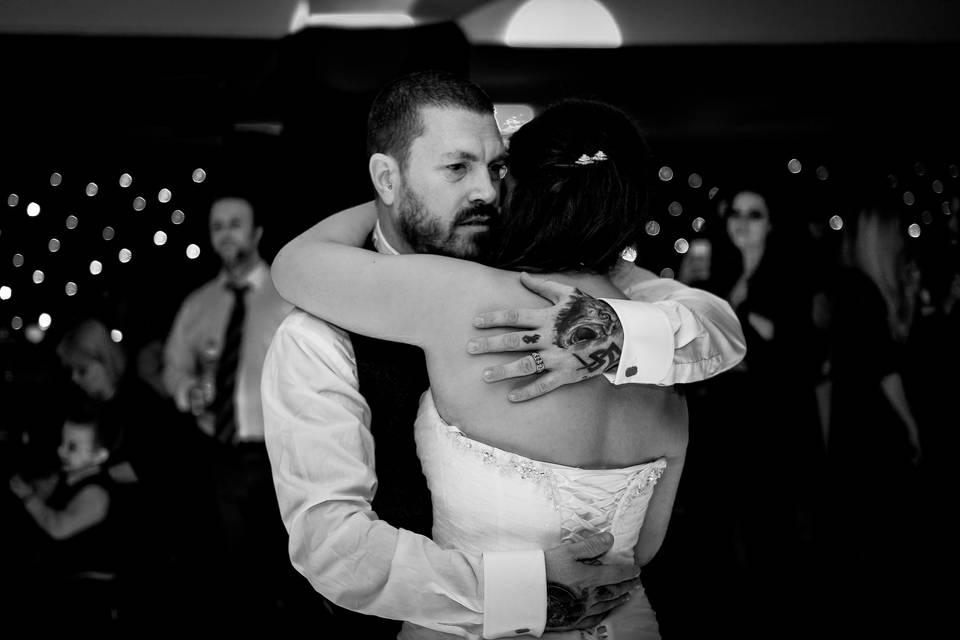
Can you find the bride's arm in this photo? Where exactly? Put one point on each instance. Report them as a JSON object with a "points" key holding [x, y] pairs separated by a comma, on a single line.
{"points": [[401, 298]]}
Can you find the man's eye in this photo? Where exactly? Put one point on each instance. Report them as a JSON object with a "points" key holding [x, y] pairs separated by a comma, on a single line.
{"points": [[457, 169]]}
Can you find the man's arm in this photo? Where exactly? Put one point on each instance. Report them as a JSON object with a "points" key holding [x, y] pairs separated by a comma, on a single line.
{"points": [[321, 452], [667, 333], [179, 364]]}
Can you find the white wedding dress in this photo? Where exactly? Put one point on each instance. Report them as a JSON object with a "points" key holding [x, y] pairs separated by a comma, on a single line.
{"points": [[487, 499]]}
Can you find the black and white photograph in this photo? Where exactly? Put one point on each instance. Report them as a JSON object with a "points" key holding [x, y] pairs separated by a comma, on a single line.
{"points": [[427, 319]]}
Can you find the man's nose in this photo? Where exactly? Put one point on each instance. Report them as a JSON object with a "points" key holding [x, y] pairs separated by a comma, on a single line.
{"points": [[484, 188]]}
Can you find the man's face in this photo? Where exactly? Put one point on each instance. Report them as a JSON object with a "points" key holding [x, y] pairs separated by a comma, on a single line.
{"points": [[78, 450], [450, 188], [748, 220], [91, 376], [232, 234]]}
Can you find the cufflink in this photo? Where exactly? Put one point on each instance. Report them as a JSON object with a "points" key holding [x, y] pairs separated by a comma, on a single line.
{"points": [[630, 372]]}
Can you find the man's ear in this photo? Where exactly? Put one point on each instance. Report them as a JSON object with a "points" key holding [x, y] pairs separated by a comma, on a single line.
{"points": [[385, 175], [100, 455]]}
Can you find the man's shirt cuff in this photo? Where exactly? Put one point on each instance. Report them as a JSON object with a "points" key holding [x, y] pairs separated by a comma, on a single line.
{"points": [[514, 593], [648, 343]]}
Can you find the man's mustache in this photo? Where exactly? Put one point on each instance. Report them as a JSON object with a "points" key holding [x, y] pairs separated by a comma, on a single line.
{"points": [[482, 211]]}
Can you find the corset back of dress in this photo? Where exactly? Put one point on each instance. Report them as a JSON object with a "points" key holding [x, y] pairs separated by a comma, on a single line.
{"points": [[487, 499]]}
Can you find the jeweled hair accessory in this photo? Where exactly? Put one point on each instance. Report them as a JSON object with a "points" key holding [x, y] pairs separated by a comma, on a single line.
{"points": [[599, 156]]}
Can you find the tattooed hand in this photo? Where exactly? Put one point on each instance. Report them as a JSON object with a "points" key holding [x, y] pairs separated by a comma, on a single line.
{"points": [[580, 591], [578, 337]]}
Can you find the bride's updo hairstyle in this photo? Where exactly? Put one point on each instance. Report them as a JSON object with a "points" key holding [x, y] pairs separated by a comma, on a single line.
{"points": [[577, 190]]}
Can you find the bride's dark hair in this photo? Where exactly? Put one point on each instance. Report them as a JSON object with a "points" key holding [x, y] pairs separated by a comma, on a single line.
{"points": [[568, 208]]}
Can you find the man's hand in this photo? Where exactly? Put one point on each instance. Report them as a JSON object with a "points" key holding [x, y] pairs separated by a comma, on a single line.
{"points": [[577, 338], [580, 593]]}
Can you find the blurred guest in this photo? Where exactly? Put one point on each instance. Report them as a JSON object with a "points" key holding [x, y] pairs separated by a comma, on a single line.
{"points": [[74, 508], [874, 438], [768, 401], [213, 363], [151, 435]]}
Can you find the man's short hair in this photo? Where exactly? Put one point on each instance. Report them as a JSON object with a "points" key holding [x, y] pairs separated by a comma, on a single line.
{"points": [[237, 195], [395, 118]]}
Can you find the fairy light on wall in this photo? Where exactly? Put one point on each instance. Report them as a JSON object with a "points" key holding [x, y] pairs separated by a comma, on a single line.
{"points": [[44, 321], [5, 292], [794, 166], [96, 267], [72, 222], [91, 189], [177, 217], [652, 228], [160, 238], [18, 260], [681, 245], [53, 245], [125, 180], [108, 233], [16, 322], [33, 209], [199, 175], [116, 335], [193, 251], [70, 289], [139, 203], [695, 181], [125, 255], [12, 200], [913, 230], [164, 195], [836, 223], [38, 276], [55, 179], [665, 174]]}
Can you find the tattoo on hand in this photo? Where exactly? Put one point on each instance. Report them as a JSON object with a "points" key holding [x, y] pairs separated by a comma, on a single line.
{"points": [[564, 606], [585, 318], [531, 339], [602, 359]]}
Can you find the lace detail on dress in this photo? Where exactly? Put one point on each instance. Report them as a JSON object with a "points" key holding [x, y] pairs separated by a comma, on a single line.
{"points": [[506, 463], [583, 511]]}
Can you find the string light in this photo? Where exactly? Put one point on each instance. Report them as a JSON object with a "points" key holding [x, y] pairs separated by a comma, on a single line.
{"points": [[5, 292], [70, 288], [695, 181], [139, 203], [38, 276], [33, 209], [652, 228], [16, 322], [108, 233], [91, 189], [681, 245], [794, 166], [665, 174], [177, 216], [72, 222], [125, 255], [18, 259], [12, 200], [53, 246], [193, 251], [55, 179], [95, 267], [164, 195], [160, 238], [126, 180], [44, 321], [199, 175], [675, 208], [116, 335]]}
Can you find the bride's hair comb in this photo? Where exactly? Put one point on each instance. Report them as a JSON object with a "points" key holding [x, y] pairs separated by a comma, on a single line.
{"points": [[585, 160], [599, 156]]}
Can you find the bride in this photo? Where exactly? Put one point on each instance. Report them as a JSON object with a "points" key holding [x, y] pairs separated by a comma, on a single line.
{"points": [[587, 458]]}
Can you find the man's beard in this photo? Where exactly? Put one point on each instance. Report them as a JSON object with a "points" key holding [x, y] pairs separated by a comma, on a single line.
{"points": [[426, 234]]}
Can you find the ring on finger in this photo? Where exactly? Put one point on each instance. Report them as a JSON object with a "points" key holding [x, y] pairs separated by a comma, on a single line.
{"points": [[538, 361]]}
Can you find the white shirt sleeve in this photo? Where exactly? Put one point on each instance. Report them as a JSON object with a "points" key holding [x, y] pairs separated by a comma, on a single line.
{"points": [[673, 333], [321, 451]]}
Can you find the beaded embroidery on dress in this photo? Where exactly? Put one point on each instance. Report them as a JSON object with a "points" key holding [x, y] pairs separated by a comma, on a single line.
{"points": [[488, 499]]}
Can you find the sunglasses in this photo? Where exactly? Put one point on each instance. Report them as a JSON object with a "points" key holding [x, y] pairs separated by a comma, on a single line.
{"points": [[751, 214]]}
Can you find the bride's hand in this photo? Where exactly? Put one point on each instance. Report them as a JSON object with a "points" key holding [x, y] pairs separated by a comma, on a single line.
{"points": [[579, 337]]}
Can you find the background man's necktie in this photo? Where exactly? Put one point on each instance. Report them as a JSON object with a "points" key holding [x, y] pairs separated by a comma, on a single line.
{"points": [[225, 410]]}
